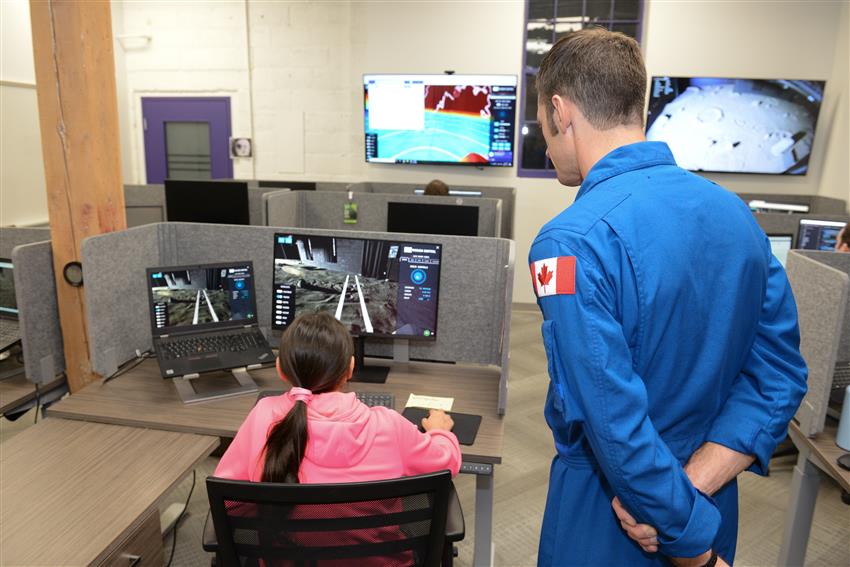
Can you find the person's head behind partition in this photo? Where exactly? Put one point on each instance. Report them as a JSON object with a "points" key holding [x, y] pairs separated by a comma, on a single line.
{"points": [[591, 87], [842, 243], [317, 354], [437, 187]]}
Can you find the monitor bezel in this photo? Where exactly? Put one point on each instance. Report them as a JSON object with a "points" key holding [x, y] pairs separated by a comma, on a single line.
{"points": [[449, 163], [727, 172], [400, 242], [391, 204], [179, 330], [5, 311], [242, 185]]}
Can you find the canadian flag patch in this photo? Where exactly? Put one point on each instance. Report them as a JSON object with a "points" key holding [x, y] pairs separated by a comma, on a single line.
{"points": [[554, 276]]}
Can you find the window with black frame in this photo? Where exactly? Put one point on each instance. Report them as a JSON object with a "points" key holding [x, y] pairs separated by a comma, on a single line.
{"points": [[546, 22]]}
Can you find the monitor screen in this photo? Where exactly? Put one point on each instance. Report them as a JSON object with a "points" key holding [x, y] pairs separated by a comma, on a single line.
{"points": [[818, 234], [382, 288], [222, 202], [421, 218], [780, 244], [199, 297], [440, 119], [735, 125], [8, 302]]}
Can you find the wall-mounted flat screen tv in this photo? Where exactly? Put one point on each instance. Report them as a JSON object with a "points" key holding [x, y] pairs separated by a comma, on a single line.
{"points": [[735, 125], [440, 119]]}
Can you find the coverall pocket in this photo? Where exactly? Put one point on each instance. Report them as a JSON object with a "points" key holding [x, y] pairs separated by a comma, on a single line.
{"points": [[563, 401]]}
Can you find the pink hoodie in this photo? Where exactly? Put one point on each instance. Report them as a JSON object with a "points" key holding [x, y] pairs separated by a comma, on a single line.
{"points": [[347, 442]]}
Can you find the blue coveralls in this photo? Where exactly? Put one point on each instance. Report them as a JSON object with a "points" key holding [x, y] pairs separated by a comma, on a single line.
{"points": [[682, 329]]}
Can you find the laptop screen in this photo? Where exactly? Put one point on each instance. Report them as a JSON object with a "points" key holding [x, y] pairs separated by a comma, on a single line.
{"points": [[819, 234], [780, 244], [184, 298], [8, 303]]}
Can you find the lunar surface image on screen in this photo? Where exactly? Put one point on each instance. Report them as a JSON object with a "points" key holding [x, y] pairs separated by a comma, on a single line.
{"points": [[321, 289], [735, 125], [193, 297]]}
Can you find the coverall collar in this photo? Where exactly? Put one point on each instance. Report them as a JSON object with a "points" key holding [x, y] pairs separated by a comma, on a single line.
{"points": [[626, 158]]}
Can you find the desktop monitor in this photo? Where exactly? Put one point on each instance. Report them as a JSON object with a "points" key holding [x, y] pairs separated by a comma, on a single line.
{"points": [[440, 119], [780, 244], [735, 125], [376, 288], [818, 234], [422, 218], [8, 302], [221, 202]]}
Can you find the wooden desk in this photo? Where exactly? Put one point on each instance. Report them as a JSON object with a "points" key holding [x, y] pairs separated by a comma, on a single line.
{"points": [[142, 398], [18, 390], [76, 493], [818, 456]]}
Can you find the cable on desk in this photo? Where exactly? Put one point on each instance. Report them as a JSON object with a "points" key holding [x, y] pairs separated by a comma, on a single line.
{"points": [[140, 357], [37, 402], [180, 517]]}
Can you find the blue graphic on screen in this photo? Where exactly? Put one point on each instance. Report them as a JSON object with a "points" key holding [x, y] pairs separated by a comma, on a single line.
{"points": [[440, 119]]}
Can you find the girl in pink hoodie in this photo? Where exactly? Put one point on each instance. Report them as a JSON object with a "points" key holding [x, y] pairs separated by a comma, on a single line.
{"points": [[315, 433]]}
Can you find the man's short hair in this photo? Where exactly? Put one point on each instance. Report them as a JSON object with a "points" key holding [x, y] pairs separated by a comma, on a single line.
{"points": [[436, 187], [601, 72]]}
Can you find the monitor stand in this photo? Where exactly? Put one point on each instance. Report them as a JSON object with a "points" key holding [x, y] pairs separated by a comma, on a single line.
{"points": [[363, 373], [189, 395]]}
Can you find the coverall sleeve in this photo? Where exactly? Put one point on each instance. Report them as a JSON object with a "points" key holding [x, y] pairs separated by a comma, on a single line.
{"points": [[771, 383], [591, 362], [427, 452]]}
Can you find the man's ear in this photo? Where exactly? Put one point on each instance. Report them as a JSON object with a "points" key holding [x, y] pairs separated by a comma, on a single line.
{"points": [[561, 114]]}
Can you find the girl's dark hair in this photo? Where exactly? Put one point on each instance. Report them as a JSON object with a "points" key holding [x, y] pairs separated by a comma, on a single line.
{"points": [[315, 353]]}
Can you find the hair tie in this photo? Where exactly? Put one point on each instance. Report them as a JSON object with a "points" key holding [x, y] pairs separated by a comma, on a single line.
{"points": [[300, 394]]}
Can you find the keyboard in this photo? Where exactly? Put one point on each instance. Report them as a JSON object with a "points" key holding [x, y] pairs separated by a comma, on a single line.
{"points": [[841, 378], [180, 347], [373, 399]]}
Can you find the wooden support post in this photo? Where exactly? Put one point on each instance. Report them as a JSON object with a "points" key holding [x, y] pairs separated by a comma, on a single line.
{"points": [[78, 112]]}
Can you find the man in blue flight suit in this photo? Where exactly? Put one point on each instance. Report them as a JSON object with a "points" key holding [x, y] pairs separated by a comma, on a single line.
{"points": [[670, 330]]}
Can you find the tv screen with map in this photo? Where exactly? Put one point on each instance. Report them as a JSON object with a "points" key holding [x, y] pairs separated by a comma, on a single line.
{"points": [[440, 119], [735, 125]]}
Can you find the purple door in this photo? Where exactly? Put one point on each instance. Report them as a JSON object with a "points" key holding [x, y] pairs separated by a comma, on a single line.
{"points": [[187, 138]]}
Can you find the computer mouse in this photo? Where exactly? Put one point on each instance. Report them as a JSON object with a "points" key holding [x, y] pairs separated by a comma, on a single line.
{"points": [[844, 461]]}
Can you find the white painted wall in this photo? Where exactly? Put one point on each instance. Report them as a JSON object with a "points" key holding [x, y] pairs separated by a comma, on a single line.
{"points": [[23, 199]]}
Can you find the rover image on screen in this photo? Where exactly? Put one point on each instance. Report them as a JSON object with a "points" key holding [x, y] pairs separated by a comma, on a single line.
{"points": [[374, 287], [440, 119], [200, 296], [735, 125]]}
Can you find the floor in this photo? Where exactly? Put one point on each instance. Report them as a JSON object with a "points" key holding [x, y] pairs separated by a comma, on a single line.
{"points": [[521, 483]]}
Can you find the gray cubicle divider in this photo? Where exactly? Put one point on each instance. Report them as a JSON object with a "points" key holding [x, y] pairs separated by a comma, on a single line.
{"points": [[324, 210], [38, 312], [14, 236], [475, 289], [818, 205], [145, 204], [506, 194], [784, 223], [820, 291]]}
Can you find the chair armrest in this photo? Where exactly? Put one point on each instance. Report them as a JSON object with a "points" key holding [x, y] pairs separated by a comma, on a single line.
{"points": [[455, 527], [210, 541]]}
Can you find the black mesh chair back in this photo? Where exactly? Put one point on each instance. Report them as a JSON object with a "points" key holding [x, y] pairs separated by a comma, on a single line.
{"points": [[390, 522]]}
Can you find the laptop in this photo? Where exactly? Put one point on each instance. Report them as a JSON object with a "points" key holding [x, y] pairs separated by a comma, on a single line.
{"points": [[10, 333], [780, 245], [816, 234], [204, 318]]}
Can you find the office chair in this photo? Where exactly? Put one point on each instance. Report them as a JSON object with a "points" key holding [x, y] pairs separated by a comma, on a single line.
{"points": [[403, 521]]}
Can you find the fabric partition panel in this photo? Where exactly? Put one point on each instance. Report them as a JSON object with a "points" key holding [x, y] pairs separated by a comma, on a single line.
{"points": [[38, 312], [284, 208], [821, 294], [818, 205], [784, 223], [144, 204], [841, 262], [116, 292], [324, 210], [13, 236], [474, 310]]}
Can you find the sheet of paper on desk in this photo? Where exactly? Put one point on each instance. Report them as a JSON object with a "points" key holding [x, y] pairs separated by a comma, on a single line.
{"points": [[431, 402]]}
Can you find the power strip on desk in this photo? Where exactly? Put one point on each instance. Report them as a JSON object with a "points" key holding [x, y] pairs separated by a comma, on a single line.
{"points": [[476, 468]]}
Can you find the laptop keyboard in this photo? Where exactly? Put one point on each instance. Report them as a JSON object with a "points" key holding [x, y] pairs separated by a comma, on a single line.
{"points": [[841, 378], [180, 347], [9, 331], [373, 399]]}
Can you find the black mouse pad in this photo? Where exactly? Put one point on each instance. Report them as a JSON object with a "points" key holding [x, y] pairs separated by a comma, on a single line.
{"points": [[466, 424]]}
